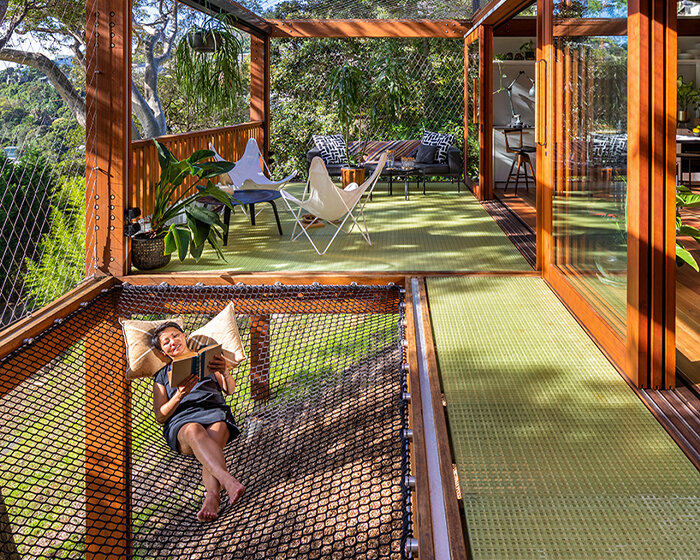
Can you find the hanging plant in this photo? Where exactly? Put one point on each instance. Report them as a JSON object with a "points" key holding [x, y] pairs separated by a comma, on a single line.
{"points": [[208, 64]]}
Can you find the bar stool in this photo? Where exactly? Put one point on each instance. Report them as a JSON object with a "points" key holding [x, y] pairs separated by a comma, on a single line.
{"points": [[521, 160]]}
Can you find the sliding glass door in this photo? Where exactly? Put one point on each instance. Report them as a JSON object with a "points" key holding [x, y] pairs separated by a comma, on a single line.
{"points": [[589, 204]]}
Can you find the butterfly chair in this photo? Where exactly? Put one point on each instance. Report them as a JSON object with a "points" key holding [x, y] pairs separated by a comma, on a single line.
{"points": [[249, 185], [248, 171], [327, 202]]}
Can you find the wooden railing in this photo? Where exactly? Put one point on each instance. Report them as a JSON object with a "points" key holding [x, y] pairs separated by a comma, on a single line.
{"points": [[228, 141]]}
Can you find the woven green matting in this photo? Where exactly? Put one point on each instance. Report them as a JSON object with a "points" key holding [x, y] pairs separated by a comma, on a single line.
{"points": [[557, 457], [441, 231]]}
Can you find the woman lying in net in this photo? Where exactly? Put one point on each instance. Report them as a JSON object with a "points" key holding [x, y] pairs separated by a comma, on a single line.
{"points": [[197, 421]]}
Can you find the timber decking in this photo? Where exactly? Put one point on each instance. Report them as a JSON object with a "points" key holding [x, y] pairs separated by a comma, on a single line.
{"points": [[557, 457], [442, 231]]}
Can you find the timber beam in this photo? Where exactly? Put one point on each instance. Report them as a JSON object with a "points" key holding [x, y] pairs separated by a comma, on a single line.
{"points": [[358, 28], [243, 18]]}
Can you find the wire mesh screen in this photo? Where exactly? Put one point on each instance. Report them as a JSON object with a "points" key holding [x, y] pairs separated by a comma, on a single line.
{"points": [[42, 161], [408, 86], [320, 452]]}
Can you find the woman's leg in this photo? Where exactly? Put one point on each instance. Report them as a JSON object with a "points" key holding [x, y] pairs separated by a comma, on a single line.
{"points": [[196, 439], [210, 509]]}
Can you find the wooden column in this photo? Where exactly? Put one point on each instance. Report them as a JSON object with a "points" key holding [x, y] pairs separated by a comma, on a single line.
{"points": [[465, 156], [485, 190], [260, 357], [651, 193], [107, 447], [108, 135], [544, 119], [260, 87]]}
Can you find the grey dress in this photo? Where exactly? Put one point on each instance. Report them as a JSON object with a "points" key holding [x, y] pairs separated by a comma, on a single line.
{"points": [[203, 405]]}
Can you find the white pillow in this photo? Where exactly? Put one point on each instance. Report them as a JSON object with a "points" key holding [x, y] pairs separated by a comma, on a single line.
{"points": [[142, 358], [223, 330]]}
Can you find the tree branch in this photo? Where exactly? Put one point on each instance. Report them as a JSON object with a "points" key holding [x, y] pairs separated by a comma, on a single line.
{"points": [[144, 113], [46, 66]]}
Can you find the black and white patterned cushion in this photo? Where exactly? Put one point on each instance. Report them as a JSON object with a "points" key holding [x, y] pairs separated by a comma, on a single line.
{"points": [[442, 141], [332, 148]]}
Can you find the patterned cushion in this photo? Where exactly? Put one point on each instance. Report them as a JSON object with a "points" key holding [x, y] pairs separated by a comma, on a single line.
{"points": [[332, 148], [441, 140]]}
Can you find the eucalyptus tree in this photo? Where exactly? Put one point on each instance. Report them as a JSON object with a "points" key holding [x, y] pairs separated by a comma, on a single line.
{"points": [[34, 32]]}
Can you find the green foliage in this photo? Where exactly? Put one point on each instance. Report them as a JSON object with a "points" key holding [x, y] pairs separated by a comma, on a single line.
{"points": [[211, 77], [61, 264], [688, 95], [409, 85], [25, 188], [34, 116], [686, 199], [201, 225]]}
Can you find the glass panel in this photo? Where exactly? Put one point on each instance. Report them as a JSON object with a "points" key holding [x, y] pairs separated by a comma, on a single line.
{"points": [[589, 207], [688, 174]]}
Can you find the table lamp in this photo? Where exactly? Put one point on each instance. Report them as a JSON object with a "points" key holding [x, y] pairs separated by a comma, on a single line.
{"points": [[515, 120]]}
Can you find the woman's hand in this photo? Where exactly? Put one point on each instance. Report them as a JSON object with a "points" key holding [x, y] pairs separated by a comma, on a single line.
{"points": [[218, 363], [184, 388]]}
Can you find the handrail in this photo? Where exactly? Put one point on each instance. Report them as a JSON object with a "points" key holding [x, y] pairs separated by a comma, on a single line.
{"points": [[229, 142]]}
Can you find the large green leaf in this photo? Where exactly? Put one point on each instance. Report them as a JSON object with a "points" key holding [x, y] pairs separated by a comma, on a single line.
{"points": [[215, 192], [196, 251], [165, 156], [213, 168], [180, 236], [199, 229], [683, 255], [203, 215], [199, 155], [690, 231]]}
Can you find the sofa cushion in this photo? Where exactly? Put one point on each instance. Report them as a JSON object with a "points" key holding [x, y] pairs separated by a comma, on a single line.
{"points": [[332, 148], [441, 140], [426, 154]]}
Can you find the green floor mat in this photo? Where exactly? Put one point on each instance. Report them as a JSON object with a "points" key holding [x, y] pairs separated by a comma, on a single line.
{"points": [[439, 231], [557, 457]]}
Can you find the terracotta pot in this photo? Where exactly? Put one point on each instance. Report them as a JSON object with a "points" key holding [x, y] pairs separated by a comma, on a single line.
{"points": [[148, 253], [352, 175]]}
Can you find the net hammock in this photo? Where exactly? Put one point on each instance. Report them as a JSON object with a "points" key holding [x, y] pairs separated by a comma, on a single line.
{"points": [[322, 451]]}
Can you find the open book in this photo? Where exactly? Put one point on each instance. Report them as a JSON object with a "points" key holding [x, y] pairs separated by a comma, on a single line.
{"points": [[193, 363]]}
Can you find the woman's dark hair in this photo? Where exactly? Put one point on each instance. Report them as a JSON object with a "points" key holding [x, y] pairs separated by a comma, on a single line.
{"points": [[155, 337]]}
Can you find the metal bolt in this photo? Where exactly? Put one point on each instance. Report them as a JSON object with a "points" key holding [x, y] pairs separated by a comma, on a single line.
{"points": [[410, 482], [406, 396], [411, 547], [407, 434]]}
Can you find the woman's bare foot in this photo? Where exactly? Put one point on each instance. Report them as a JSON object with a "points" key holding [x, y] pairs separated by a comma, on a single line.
{"points": [[234, 489], [210, 508]]}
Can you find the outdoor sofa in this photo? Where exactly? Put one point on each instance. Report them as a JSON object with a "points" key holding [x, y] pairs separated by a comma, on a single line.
{"points": [[452, 167]]}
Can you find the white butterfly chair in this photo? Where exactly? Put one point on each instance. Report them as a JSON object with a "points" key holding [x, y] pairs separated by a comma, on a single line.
{"points": [[248, 171], [327, 202]]}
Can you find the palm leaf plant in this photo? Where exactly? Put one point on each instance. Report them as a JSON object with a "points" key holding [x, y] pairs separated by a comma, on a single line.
{"points": [[201, 225], [686, 199]]}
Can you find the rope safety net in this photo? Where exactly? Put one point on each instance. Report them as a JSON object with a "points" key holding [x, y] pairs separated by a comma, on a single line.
{"points": [[84, 467]]}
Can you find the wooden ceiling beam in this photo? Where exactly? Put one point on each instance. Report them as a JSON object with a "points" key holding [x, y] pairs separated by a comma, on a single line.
{"points": [[356, 28]]}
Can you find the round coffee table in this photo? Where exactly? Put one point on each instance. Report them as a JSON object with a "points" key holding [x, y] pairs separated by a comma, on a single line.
{"points": [[247, 198]]}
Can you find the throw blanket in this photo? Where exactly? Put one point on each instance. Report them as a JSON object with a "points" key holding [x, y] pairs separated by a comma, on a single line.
{"points": [[375, 149]]}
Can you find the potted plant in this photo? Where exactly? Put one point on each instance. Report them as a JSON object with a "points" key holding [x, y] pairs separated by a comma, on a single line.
{"points": [[688, 99], [685, 198], [208, 64], [527, 49], [152, 248]]}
